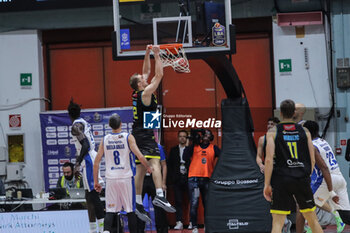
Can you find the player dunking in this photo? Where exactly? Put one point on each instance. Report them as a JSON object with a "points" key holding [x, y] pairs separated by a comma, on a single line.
{"points": [[289, 162], [119, 149], [144, 100], [85, 146]]}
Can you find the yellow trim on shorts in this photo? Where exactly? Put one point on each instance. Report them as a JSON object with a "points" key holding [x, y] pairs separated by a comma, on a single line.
{"points": [[308, 210], [280, 212], [149, 157]]}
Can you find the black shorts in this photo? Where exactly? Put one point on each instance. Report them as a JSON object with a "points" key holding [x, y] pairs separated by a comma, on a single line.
{"points": [[146, 143], [285, 189]]}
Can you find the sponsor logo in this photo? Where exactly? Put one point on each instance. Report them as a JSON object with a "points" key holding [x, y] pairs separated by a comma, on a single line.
{"points": [[52, 152], [51, 135], [234, 224], [63, 161], [54, 175], [63, 142], [50, 129], [52, 161], [97, 127], [63, 135], [289, 127], [98, 133], [294, 164], [49, 120], [62, 128], [53, 169], [53, 181], [151, 120], [51, 142], [67, 151], [97, 117], [232, 182]]}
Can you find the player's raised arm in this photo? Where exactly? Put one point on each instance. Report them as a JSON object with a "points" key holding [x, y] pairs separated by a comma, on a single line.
{"points": [[146, 68], [134, 148], [97, 161], [152, 87]]}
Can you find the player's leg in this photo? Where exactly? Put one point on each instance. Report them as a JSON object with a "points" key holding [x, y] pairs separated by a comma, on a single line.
{"points": [[340, 187], [94, 196], [139, 178], [159, 199], [277, 222], [111, 205], [127, 200], [305, 199], [194, 202], [89, 203], [311, 218]]}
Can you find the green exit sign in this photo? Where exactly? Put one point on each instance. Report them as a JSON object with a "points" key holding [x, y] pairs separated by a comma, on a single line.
{"points": [[26, 79], [285, 65]]}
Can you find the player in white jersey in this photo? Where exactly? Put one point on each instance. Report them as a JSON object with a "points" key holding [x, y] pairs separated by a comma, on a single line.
{"points": [[336, 194], [119, 149], [85, 146]]}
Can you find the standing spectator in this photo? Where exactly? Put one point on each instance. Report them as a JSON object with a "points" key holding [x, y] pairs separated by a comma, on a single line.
{"points": [[201, 158], [179, 175]]}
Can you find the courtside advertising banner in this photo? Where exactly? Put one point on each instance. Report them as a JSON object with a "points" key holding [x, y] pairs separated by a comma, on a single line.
{"points": [[58, 143]]}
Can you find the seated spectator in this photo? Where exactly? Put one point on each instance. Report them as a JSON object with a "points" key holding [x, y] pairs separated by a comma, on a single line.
{"points": [[68, 179]]}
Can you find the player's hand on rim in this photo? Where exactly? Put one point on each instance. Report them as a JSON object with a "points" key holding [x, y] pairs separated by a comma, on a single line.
{"points": [[156, 49], [268, 192]]}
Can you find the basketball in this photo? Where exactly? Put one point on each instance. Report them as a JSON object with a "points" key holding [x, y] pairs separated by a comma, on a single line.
{"points": [[180, 62]]}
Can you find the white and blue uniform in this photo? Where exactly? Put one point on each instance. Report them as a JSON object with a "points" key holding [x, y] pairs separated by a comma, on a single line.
{"points": [[120, 171], [88, 162], [318, 183]]}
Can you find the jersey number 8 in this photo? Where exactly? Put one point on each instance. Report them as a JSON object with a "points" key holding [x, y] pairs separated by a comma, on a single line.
{"points": [[116, 157]]}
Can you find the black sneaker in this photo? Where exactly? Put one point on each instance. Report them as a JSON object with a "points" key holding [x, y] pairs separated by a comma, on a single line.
{"points": [[164, 204], [141, 213]]}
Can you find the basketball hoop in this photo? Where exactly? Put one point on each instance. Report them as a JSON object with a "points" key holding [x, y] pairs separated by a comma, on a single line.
{"points": [[174, 55]]}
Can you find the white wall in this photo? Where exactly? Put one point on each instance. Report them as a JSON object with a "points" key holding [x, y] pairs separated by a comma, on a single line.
{"points": [[298, 84], [21, 52]]}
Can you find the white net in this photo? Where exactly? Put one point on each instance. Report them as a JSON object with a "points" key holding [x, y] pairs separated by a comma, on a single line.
{"points": [[176, 58]]}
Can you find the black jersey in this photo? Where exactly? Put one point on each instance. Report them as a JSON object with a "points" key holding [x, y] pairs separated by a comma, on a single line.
{"points": [[292, 156], [139, 108]]}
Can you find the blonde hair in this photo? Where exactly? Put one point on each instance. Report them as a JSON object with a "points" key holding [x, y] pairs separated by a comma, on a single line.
{"points": [[134, 80]]}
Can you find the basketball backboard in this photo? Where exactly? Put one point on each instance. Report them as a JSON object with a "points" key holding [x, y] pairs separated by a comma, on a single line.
{"points": [[203, 27]]}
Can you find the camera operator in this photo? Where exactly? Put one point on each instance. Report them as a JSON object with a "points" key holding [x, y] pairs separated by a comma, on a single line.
{"points": [[200, 159]]}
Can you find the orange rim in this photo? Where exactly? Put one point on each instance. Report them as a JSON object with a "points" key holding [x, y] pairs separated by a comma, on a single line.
{"points": [[173, 48]]}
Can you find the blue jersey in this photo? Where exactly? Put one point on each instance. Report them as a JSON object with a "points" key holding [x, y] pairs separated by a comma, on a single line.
{"points": [[162, 153]]}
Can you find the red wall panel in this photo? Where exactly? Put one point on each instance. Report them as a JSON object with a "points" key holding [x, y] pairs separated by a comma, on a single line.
{"points": [[77, 73], [117, 74]]}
